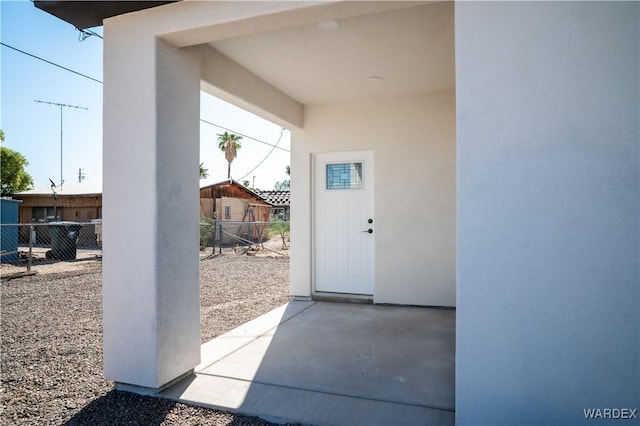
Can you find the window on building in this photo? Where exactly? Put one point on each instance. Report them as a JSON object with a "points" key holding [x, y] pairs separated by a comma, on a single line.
{"points": [[38, 214], [227, 212], [45, 214], [278, 213]]}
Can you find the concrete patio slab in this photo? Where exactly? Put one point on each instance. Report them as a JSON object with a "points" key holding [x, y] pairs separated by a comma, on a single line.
{"points": [[227, 343], [332, 363]]}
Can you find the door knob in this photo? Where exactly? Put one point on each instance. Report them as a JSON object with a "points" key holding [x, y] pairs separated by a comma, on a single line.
{"points": [[369, 231]]}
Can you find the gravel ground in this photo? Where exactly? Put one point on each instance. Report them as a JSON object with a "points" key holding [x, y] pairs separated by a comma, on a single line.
{"points": [[51, 345], [86, 259]]}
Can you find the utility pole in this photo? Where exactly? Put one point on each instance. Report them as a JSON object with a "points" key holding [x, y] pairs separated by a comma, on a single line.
{"points": [[80, 176], [61, 108]]}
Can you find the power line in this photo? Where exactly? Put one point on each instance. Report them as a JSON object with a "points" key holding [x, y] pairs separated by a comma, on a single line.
{"points": [[98, 81], [267, 156], [245, 136], [51, 63]]}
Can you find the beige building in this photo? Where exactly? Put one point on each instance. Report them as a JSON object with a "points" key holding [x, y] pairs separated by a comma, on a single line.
{"points": [[241, 212]]}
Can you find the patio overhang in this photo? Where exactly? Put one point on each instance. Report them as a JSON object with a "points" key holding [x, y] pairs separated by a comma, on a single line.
{"points": [[338, 53], [87, 14]]}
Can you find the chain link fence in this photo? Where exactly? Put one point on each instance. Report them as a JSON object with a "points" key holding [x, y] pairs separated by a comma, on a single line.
{"points": [[247, 236], [49, 247], [68, 246]]}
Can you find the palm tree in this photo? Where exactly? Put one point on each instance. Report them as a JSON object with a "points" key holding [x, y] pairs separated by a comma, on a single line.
{"points": [[204, 173], [229, 143]]}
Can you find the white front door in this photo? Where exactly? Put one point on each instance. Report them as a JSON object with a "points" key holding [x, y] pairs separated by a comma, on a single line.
{"points": [[344, 226]]}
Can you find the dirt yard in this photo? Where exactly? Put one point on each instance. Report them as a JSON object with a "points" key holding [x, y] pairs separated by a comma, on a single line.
{"points": [[51, 344]]}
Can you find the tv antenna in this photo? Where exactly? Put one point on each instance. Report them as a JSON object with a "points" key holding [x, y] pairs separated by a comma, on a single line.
{"points": [[62, 106]]}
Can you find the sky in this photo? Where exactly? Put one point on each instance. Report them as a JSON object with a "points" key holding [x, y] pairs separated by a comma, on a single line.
{"points": [[33, 128]]}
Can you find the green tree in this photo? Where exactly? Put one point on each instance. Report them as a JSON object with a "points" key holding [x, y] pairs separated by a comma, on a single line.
{"points": [[13, 175], [280, 228], [207, 230], [282, 186], [204, 173], [285, 184], [229, 143]]}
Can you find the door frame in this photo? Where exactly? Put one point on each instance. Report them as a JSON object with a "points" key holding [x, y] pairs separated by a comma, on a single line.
{"points": [[336, 296]]}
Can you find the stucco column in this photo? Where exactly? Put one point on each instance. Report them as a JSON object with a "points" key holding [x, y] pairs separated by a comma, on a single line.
{"points": [[151, 152]]}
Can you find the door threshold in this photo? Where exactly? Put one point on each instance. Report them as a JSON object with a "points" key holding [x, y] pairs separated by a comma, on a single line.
{"points": [[366, 299]]}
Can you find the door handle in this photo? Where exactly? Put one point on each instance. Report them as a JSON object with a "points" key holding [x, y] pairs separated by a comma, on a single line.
{"points": [[369, 231]]}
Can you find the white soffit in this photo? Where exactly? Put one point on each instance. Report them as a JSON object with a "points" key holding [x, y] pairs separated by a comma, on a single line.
{"points": [[407, 51]]}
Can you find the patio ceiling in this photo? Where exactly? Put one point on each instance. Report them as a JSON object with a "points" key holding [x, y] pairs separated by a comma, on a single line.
{"points": [[398, 52]]}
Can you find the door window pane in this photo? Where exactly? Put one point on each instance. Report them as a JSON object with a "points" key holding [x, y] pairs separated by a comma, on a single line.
{"points": [[344, 176]]}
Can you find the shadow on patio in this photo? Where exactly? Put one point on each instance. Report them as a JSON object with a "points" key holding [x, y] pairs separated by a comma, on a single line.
{"points": [[332, 363]]}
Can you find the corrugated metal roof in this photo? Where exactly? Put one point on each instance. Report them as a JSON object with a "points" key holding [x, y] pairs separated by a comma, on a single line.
{"points": [[277, 198], [84, 188]]}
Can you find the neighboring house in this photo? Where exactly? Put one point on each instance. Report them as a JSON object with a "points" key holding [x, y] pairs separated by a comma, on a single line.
{"points": [[491, 148], [79, 202], [280, 202], [75, 202], [229, 201]]}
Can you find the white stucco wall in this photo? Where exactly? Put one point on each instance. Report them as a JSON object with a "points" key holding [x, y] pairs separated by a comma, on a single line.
{"points": [[413, 140], [151, 152], [548, 318]]}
